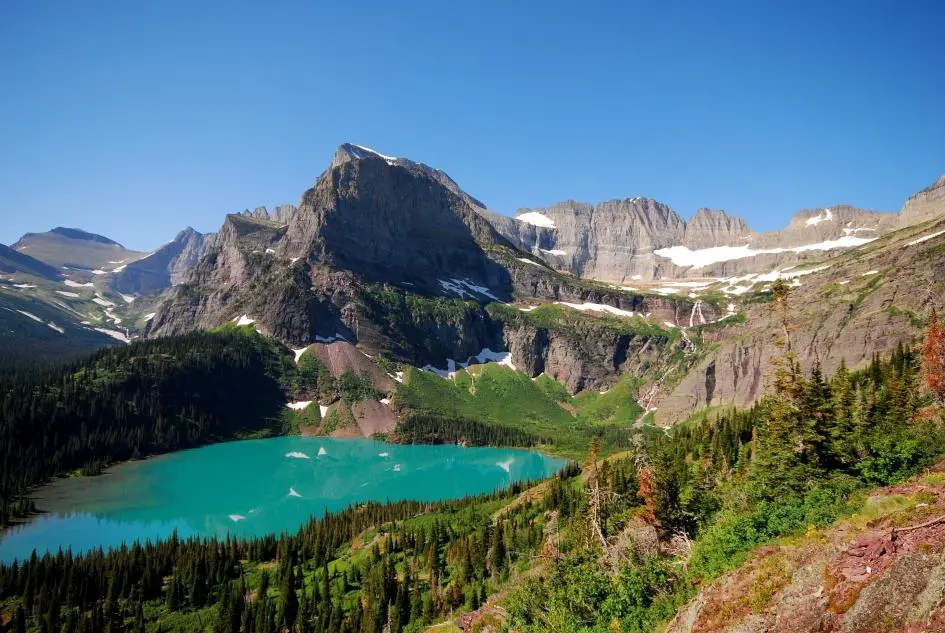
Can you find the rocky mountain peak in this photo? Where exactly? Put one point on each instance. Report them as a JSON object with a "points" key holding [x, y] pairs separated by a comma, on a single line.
{"points": [[348, 152], [710, 227], [924, 205], [282, 214]]}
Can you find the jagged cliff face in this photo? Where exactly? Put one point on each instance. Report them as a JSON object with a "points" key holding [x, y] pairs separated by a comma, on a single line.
{"points": [[925, 205], [380, 252], [863, 302], [623, 241], [165, 267], [389, 220]]}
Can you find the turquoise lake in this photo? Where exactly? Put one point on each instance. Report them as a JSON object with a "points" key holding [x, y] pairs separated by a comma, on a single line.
{"points": [[256, 487]]}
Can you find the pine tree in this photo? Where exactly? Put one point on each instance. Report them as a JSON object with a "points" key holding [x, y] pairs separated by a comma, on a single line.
{"points": [[933, 358]]}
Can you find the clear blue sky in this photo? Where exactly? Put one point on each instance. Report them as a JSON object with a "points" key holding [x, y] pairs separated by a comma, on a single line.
{"points": [[137, 121]]}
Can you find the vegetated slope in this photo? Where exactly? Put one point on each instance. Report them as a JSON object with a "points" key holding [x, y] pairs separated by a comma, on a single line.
{"points": [[623, 547], [130, 401], [863, 302], [34, 332], [12, 261]]}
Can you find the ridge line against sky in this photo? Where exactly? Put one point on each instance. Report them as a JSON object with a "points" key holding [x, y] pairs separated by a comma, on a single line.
{"points": [[135, 122]]}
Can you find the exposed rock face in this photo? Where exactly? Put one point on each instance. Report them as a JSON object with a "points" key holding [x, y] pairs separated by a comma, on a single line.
{"points": [[282, 214], [709, 228], [925, 205], [616, 241], [163, 268], [392, 221], [591, 357], [866, 302]]}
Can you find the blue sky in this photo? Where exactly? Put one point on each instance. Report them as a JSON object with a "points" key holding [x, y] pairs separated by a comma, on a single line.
{"points": [[136, 121]]}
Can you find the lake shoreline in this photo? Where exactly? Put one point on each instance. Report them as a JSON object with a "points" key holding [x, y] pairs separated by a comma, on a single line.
{"points": [[243, 493]]}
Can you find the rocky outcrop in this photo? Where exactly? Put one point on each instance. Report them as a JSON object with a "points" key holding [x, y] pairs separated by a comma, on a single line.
{"points": [[589, 357], [282, 214], [618, 241], [858, 576], [865, 302], [165, 267], [708, 228], [925, 205]]}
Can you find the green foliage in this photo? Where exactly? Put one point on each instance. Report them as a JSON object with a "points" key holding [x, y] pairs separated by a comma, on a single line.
{"points": [[556, 318], [615, 406], [355, 388], [144, 398]]}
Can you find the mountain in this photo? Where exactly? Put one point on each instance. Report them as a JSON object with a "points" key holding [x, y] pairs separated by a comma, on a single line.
{"points": [[844, 309], [12, 261], [34, 330], [74, 248], [622, 241], [925, 205], [162, 268], [393, 256]]}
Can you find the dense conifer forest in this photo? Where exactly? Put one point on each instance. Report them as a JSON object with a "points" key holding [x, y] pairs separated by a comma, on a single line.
{"points": [[696, 502], [125, 402]]}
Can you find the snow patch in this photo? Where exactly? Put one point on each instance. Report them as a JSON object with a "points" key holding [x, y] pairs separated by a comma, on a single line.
{"points": [[76, 284], [528, 309], [385, 401], [322, 410], [869, 273], [557, 252], [102, 301], [826, 216], [118, 336], [99, 272], [529, 261], [127, 298], [597, 307], [853, 231], [298, 406], [536, 219], [243, 320], [683, 256], [53, 326], [23, 286], [295, 259], [399, 376], [367, 151], [30, 315], [464, 287], [298, 354], [485, 356], [149, 316], [71, 295], [925, 239], [119, 269], [329, 339]]}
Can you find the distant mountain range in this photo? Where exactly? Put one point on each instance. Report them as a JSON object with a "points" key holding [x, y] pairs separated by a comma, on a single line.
{"points": [[393, 258]]}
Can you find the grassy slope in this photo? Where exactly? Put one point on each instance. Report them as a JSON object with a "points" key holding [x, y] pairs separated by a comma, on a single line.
{"points": [[500, 396]]}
